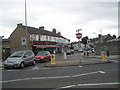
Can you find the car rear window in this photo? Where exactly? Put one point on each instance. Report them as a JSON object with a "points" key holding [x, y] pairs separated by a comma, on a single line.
{"points": [[41, 53]]}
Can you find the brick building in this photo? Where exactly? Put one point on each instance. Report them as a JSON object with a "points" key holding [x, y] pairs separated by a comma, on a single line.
{"points": [[37, 39], [107, 43]]}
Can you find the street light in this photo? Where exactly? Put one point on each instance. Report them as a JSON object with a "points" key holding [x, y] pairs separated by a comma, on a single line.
{"points": [[26, 25]]}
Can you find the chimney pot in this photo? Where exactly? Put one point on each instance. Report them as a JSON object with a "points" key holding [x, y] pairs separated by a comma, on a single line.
{"points": [[54, 30], [59, 33], [20, 24], [41, 28]]}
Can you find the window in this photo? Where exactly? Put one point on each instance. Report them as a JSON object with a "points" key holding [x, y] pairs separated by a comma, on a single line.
{"points": [[50, 38], [39, 37], [46, 38]]}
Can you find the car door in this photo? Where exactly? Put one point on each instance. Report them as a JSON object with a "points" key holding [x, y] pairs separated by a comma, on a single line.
{"points": [[26, 57], [48, 55], [31, 56]]}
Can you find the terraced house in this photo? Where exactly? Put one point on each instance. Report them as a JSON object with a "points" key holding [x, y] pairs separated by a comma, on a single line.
{"points": [[37, 39]]}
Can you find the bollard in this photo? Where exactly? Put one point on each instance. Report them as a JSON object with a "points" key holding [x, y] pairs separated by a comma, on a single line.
{"points": [[53, 59], [65, 56], [104, 56]]}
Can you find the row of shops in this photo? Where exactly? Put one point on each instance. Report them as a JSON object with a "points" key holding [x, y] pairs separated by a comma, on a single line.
{"points": [[37, 39]]}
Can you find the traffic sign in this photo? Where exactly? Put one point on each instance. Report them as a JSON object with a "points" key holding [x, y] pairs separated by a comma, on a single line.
{"points": [[23, 41], [78, 35]]}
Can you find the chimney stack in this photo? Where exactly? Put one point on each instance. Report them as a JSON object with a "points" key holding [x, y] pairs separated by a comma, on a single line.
{"points": [[20, 24], [59, 33], [54, 30], [41, 28]]}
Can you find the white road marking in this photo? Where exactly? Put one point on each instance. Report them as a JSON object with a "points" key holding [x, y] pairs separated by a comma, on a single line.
{"points": [[93, 84], [13, 70], [14, 80], [84, 74], [55, 76], [59, 77], [89, 84], [102, 72], [68, 86], [36, 67], [39, 78], [79, 66]]}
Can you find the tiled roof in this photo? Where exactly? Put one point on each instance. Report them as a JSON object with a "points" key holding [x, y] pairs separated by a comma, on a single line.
{"points": [[33, 30], [114, 40]]}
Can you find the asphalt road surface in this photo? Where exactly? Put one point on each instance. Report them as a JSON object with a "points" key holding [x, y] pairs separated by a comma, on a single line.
{"points": [[85, 76]]}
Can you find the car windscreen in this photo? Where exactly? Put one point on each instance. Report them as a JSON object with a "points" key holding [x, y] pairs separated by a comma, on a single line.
{"points": [[41, 53], [17, 54]]}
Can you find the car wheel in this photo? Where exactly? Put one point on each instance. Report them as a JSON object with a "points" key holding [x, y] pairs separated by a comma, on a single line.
{"points": [[34, 62], [46, 60], [5, 67], [49, 60], [22, 65]]}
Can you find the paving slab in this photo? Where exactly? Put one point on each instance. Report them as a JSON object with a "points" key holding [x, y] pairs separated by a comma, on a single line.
{"points": [[76, 62]]}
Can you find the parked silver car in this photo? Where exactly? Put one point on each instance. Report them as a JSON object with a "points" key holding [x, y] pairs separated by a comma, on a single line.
{"points": [[20, 59]]}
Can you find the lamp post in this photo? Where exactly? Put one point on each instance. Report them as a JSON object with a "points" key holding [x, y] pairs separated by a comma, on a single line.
{"points": [[79, 35], [26, 25]]}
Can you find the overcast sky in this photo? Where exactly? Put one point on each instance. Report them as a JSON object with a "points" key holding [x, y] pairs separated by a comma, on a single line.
{"points": [[67, 16]]}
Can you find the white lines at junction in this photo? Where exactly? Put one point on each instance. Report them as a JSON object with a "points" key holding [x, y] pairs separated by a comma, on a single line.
{"points": [[54, 77], [88, 84]]}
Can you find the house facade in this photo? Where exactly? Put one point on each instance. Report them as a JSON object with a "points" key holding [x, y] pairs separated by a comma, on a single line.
{"points": [[78, 45], [101, 44], [114, 46], [37, 39]]}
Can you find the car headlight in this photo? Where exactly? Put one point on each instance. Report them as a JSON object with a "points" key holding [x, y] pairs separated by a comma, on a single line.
{"points": [[41, 57], [5, 61]]}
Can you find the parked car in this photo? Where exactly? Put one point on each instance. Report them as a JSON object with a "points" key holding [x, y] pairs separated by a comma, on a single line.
{"points": [[20, 59], [68, 52], [43, 56], [80, 50], [72, 51]]}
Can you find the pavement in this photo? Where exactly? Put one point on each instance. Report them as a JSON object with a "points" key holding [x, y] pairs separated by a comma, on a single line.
{"points": [[96, 60], [75, 63]]}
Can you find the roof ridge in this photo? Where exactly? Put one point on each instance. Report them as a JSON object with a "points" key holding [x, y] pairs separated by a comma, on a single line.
{"points": [[34, 30]]}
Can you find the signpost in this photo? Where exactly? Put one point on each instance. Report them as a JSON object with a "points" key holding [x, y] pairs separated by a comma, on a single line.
{"points": [[78, 36], [23, 41]]}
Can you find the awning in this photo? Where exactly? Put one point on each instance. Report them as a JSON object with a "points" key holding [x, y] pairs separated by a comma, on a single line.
{"points": [[45, 46]]}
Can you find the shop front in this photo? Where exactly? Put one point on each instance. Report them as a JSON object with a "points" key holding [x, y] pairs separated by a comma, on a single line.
{"points": [[44, 46]]}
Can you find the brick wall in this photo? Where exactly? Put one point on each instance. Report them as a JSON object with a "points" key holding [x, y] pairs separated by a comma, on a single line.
{"points": [[16, 39], [112, 47]]}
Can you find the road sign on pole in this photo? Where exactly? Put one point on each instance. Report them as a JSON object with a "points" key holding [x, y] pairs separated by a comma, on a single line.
{"points": [[23, 41], [78, 35]]}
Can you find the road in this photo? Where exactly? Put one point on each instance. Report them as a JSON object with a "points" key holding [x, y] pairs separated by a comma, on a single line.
{"points": [[81, 76]]}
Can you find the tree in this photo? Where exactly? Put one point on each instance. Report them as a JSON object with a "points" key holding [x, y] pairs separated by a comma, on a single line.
{"points": [[84, 40]]}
